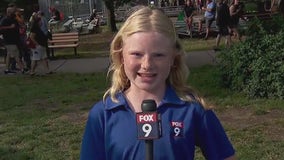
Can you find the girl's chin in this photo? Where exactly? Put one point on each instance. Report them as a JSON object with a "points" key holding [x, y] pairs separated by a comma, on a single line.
{"points": [[149, 87]]}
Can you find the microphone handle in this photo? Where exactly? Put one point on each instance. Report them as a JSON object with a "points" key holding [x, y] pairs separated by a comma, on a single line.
{"points": [[149, 149]]}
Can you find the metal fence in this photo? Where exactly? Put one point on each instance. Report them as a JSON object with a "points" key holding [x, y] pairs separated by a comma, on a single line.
{"points": [[75, 8]]}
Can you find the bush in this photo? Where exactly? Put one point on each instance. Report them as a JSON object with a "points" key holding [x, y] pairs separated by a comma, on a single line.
{"points": [[256, 66]]}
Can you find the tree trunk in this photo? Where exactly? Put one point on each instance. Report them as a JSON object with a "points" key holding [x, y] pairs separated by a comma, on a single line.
{"points": [[281, 6], [111, 16]]}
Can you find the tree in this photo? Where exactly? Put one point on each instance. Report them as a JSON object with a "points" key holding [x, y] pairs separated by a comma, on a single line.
{"points": [[111, 5], [281, 6]]}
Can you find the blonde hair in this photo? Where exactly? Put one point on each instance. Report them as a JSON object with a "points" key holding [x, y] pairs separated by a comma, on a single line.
{"points": [[147, 19]]}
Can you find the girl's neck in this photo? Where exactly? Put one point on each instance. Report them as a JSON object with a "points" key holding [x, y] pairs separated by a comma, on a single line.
{"points": [[135, 98]]}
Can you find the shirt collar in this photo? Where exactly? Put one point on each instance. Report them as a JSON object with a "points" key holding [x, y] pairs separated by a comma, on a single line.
{"points": [[170, 97]]}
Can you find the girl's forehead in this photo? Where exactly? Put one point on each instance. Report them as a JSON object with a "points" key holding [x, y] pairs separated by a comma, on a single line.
{"points": [[148, 39], [149, 43], [151, 35]]}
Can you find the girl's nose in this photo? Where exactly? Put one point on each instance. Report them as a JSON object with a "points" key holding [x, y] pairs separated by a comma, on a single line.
{"points": [[146, 62]]}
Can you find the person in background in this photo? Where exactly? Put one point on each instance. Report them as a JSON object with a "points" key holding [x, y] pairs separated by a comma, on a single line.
{"points": [[44, 29], [188, 12], [147, 62], [55, 14], [11, 36], [13, 9], [39, 52], [199, 5], [163, 3], [94, 19], [236, 12], [93, 15], [54, 21], [31, 20], [23, 48], [223, 22], [209, 17]]}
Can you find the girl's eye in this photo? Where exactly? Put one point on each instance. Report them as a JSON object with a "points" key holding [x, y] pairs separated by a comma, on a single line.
{"points": [[159, 54], [136, 54]]}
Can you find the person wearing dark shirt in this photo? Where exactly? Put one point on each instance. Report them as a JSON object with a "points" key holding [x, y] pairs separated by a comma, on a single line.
{"points": [[93, 15], [39, 52], [24, 50], [55, 14], [11, 36], [222, 22], [236, 12], [188, 12]]}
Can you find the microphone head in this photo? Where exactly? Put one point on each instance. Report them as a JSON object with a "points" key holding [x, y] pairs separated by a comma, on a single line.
{"points": [[148, 105], [148, 121]]}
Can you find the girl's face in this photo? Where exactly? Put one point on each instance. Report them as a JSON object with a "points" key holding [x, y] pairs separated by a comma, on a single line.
{"points": [[147, 58]]}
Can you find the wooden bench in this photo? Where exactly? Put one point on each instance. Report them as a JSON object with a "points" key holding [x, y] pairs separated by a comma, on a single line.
{"points": [[64, 40]]}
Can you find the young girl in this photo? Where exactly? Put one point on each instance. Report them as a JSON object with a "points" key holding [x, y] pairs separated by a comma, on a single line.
{"points": [[148, 63]]}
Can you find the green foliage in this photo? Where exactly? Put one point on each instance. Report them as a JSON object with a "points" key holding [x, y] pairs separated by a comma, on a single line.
{"points": [[250, 7], [256, 66], [258, 28]]}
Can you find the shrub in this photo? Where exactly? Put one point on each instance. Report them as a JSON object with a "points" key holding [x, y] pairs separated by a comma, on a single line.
{"points": [[256, 65]]}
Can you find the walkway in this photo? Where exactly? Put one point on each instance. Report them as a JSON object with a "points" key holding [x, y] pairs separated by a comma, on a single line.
{"points": [[91, 65]]}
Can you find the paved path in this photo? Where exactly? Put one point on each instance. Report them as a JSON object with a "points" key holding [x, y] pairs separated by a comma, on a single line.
{"points": [[91, 65]]}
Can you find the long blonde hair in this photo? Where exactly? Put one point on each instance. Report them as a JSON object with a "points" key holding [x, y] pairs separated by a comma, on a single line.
{"points": [[148, 19]]}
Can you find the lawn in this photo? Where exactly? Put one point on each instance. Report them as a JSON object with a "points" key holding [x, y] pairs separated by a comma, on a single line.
{"points": [[43, 117]]}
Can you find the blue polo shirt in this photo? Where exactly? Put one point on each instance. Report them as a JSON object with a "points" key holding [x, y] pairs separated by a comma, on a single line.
{"points": [[111, 132]]}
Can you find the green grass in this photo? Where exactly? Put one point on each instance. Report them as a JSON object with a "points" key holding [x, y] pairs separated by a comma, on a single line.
{"points": [[43, 117], [196, 44]]}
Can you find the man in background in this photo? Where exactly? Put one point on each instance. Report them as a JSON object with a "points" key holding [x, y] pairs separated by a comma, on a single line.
{"points": [[209, 17], [11, 38]]}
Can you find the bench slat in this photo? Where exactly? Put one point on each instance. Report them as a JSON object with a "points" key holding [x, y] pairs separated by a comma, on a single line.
{"points": [[70, 35], [64, 46], [71, 39], [65, 34], [68, 39], [63, 40]]}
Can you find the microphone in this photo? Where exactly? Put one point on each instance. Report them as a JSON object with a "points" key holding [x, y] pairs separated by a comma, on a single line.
{"points": [[148, 125]]}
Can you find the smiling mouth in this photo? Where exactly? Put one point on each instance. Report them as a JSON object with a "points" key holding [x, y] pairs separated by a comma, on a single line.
{"points": [[147, 75]]}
